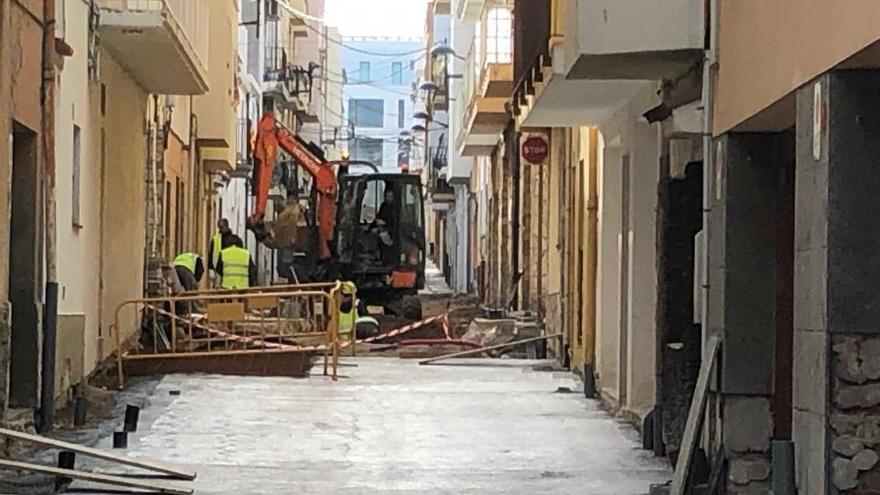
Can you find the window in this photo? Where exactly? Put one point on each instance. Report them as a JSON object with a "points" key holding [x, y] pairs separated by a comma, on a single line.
{"points": [[364, 72], [366, 113], [478, 50], [397, 73], [368, 149], [401, 113], [181, 213], [168, 217], [75, 183], [499, 36]]}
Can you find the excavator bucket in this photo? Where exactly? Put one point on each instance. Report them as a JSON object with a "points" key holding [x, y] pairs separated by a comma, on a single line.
{"points": [[278, 233]]}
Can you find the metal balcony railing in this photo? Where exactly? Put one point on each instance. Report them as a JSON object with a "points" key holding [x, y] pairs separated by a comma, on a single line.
{"points": [[297, 80]]}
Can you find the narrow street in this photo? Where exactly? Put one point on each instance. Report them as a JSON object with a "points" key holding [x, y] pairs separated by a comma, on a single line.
{"points": [[393, 426]]}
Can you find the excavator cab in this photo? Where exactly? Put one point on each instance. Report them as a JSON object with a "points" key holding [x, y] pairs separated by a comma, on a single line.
{"points": [[380, 239], [365, 228]]}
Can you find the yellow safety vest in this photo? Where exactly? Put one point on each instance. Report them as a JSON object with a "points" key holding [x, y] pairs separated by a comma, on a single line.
{"points": [[217, 246], [187, 260], [236, 264], [347, 320]]}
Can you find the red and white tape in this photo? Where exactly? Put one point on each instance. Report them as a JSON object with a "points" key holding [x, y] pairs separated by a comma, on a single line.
{"points": [[444, 318], [407, 328]]}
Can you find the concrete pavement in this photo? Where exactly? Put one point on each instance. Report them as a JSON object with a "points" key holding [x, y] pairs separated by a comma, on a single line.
{"points": [[393, 427], [435, 284]]}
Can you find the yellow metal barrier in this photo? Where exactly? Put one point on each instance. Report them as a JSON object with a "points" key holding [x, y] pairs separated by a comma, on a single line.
{"points": [[342, 287], [264, 330]]}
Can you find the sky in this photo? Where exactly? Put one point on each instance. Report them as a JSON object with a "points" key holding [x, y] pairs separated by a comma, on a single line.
{"points": [[397, 18]]}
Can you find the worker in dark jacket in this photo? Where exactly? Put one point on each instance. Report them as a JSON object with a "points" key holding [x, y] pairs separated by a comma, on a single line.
{"points": [[236, 267], [219, 242]]}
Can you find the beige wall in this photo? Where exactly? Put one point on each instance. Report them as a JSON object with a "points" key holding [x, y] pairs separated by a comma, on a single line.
{"points": [[123, 211], [770, 48], [216, 110]]}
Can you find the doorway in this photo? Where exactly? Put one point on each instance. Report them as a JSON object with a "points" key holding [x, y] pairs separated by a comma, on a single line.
{"points": [[24, 280]]}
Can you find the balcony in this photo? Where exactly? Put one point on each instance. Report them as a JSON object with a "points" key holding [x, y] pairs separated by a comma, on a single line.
{"points": [[162, 43], [243, 153], [604, 54], [288, 84], [469, 10], [484, 94], [441, 7], [636, 39], [440, 193]]}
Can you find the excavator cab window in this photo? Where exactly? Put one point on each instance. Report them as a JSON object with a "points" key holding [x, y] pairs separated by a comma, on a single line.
{"points": [[374, 194], [412, 230]]}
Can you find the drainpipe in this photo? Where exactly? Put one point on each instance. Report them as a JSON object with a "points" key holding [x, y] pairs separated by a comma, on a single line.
{"points": [[708, 98], [50, 308], [514, 219]]}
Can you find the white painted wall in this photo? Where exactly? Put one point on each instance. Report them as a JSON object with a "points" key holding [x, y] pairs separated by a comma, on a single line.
{"points": [[622, 26], [79, 246], [608, 273], [641, 350], [462, 36], [627, 375]]}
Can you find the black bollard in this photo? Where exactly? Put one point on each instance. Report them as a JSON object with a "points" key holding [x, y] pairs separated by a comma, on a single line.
{"points": [[120, 439], [66, 460], [131, 418], [79, 411]]}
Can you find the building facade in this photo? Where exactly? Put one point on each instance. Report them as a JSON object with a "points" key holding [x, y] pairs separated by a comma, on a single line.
{"points": [[141, 137]]}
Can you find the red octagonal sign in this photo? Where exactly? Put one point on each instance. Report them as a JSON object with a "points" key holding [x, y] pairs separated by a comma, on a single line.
{"points": [[534, 149]]}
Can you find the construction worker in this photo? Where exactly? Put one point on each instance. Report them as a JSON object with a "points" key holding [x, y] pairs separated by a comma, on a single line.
{"points": [[235, 266], [190, 269], [219, 241], [348, 311], [352, 323]]}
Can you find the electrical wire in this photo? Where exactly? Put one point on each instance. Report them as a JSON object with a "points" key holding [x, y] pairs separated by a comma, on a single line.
{"points": [[342, 44]]}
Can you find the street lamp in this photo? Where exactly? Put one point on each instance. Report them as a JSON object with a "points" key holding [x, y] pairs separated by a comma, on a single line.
{"points": [[443, 50], [429, 86]]}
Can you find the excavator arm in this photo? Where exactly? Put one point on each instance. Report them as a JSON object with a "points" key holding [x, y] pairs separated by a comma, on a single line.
{"points": [[272, 136]]}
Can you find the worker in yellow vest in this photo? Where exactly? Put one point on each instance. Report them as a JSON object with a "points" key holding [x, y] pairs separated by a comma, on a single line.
{"points": [[348, 311], [352, 324], [190, 269], [235, 266], [219, 242]]}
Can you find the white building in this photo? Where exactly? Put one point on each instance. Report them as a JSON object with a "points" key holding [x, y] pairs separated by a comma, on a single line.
{"points": [[378, 74]]}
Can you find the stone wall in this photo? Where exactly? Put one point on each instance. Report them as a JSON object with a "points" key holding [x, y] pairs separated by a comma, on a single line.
{"points": [[855, 414]]}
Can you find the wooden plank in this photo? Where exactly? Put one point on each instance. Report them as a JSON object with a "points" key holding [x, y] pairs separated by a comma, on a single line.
{"points": [[481, 350], [100, 454], [104, 479], [694, 419]]}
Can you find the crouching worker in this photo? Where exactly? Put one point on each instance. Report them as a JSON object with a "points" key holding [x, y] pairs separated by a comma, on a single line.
{"points": [[352, 324], [156, 317]]}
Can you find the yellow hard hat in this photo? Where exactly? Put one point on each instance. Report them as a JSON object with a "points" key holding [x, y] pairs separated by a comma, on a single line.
{"points": [[345, 154]]}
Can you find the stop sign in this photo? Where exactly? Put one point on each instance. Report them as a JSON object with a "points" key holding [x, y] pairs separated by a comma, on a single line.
{"points": [[535, 150]]}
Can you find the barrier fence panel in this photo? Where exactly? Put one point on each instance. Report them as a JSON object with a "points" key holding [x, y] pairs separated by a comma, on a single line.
{"points": [[263, 331]]}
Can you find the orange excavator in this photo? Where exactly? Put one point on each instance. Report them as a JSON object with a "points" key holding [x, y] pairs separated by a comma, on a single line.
{"points": [[367, 228], [270, 137]]}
